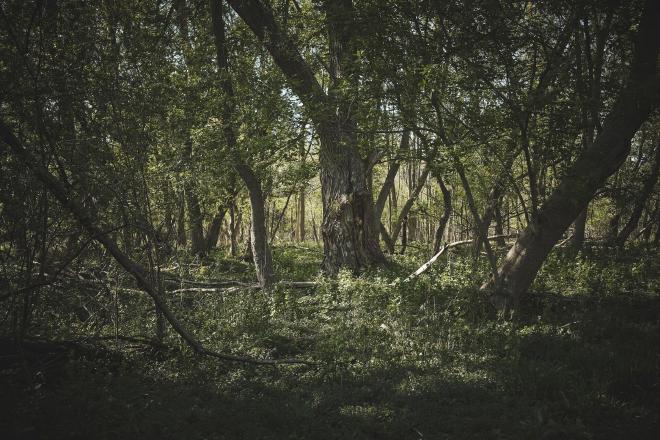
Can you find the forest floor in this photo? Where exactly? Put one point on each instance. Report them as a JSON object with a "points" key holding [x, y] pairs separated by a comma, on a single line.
{"points": [[421, 360]]}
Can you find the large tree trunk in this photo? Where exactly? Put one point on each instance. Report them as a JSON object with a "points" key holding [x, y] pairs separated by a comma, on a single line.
{"points": [[349, 227], [633, 106], [258, 233]]}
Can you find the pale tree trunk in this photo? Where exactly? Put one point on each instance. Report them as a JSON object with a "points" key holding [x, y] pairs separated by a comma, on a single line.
{"points": [[349, 228], [635, 102], [261, 252]]}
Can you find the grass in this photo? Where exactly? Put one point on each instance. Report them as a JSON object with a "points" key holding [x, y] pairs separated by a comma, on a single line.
{"points": [[420, 361]]}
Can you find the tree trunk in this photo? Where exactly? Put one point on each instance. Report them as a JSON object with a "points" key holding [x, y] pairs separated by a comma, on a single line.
{"points": [[392, 171], [195, 220], [233, 229], [499, 225], [213, 232], [258, 233], [349, 227], [439, 232], [643, 197], [636, 101], [405, 210], [301, 215], [579, 229], [181, 220]]}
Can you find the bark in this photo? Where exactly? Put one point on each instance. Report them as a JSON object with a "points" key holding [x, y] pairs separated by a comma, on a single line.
{"points": [[198, 246], [639, 97], [234, 224], [181, 221], [261, 252], [349, 228], [644, 195], [213, 232], [446, 198]]}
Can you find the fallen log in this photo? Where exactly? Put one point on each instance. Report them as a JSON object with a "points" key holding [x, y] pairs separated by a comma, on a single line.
{"points": [[98, 233], [424, 267]]}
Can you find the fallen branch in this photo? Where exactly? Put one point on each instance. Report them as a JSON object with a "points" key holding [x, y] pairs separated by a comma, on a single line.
{"points": [[424, 267], [297, 284], [138, 273]]}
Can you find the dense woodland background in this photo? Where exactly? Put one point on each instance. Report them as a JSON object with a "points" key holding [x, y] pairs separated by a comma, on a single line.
{"points": [[329, 219]]}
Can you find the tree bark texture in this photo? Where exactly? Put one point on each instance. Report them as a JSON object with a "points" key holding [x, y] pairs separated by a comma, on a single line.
{"points": [[349, 228]]}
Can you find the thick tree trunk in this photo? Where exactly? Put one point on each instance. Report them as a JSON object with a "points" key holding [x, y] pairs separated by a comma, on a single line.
{"points": [[349, 227], [633, 106]]}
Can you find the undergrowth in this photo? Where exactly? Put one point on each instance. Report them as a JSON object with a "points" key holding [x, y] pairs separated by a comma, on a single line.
{"points": [[424, 359]]}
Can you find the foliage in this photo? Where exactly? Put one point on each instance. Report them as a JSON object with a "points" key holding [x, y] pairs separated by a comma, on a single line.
{"points": [[393, 362]]}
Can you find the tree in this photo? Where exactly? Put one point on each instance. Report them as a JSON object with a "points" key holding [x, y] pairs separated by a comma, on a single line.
{"points": [[637, 100], [349, 228]]}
